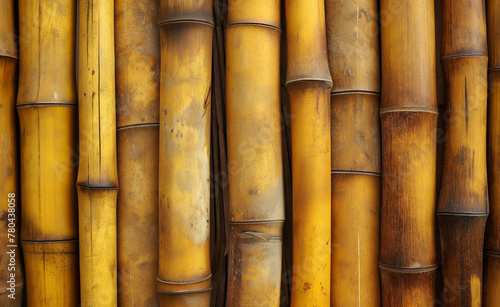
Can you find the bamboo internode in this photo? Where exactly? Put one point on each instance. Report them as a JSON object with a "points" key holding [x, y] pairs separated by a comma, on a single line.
{"points": [[463, 202], [137, 44], [408, 111], [256, 185], [354, 59], [47, 107], [308, 83], [97, 181], [186, 30]]}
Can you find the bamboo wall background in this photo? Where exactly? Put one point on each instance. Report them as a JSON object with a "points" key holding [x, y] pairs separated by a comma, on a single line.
{"points": [[453, 125]]}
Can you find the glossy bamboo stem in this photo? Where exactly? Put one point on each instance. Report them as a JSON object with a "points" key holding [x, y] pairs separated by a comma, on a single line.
{"points": [[97, 181], [256, 190], [186, 30], [308, 83], [47, 108], [463, 202], [408, 111], [354, 59], [492, 238], [137, 110]]}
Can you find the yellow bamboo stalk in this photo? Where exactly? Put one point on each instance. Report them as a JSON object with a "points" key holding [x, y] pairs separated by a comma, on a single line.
{"points": [[184, 275], [256, 185], [137, 110], [354, 59], [47, 107], [11, 270], [97, 182], [463, 202], [308, 83], [408, 111], [492, 238]]}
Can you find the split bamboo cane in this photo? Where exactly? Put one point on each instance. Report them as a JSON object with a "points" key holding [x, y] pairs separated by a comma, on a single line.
{"points": [[137, 110], [47, 107], [463, 202], [256, 190], [492, 238], [186, 30], [308, 83], [97, 182], [11, 271], [408, 114], [354, 58]]}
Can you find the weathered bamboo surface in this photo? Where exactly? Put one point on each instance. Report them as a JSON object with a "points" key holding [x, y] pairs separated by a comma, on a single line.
{"points": [[186, 31], [47, 108], [137, 43], [492, 238], [354, 59], [463, 202], [408, 111], [97, 181], [256, 191], [308, 83], [11, 290]]}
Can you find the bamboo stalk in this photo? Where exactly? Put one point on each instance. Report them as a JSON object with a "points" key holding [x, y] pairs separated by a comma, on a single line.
{"points": [[186, 30], [11, 290], [256, 192], [354, 55], [492, 239], [47, 107], [308, 83], [97, 182], [463, 202], [137, 110], [408, 111]]}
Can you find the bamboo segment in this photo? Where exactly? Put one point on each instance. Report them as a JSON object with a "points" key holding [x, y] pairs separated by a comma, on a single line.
{"points": [[11, 290], [97, 181], [308, 83], [463, 202], [256, 184], [47, 108], [137, 110], [354, 59], [186, 30], [408, 111]]}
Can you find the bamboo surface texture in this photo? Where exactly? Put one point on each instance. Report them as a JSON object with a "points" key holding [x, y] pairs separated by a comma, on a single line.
{"points": [[97, 181], [354, 59], [11, 288], [256, 185], [408, 113], [492, 237], [47, 108], [186, 31], [463, 202], [137, 110], [308, 83]]}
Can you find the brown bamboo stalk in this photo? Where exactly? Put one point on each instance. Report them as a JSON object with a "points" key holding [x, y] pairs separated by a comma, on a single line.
{"points": [[463, 202], [409, 117], [137, 111], [186, 30], [308, 83], [354, 58], [47, 107], [97, 181]]}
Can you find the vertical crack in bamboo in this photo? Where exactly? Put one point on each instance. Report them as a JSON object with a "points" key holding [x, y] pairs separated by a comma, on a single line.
{"points": [[354, 59], [308, 83], [97, 181], [408, 111], [186, 31], [47, 108], [463, 202]]}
